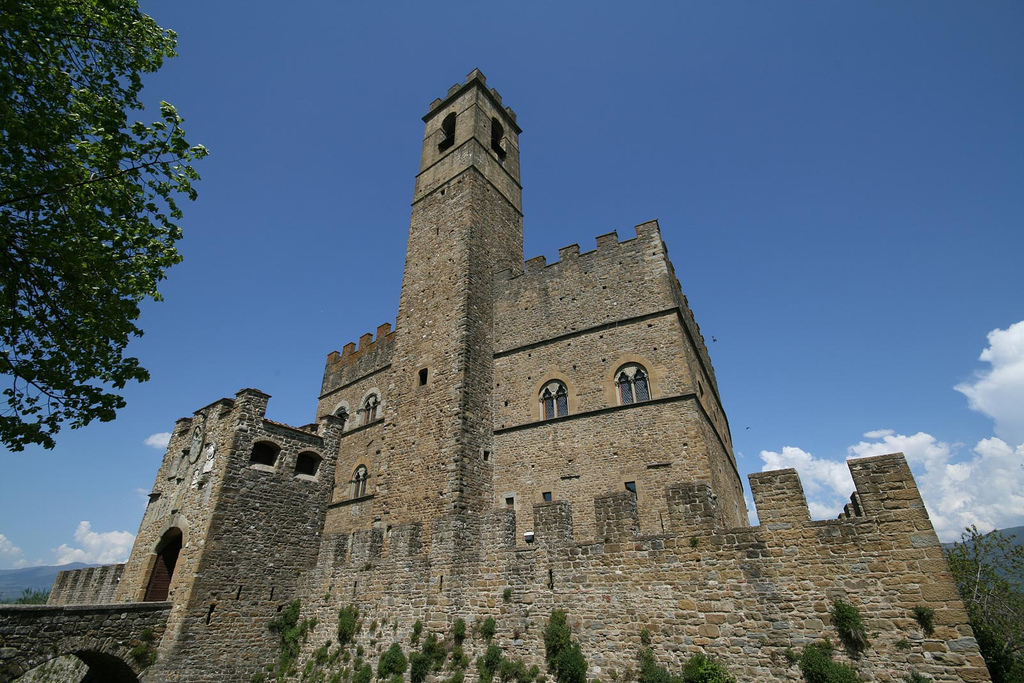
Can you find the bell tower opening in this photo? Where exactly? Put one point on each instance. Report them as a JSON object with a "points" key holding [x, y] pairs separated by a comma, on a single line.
{"points": [[163, 569]]}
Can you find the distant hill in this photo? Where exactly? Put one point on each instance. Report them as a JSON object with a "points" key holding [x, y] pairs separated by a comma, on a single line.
{"points": [[14, 581]]}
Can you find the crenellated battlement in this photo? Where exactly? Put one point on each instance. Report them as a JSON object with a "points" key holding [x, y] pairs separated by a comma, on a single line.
{"points": [[354, 362], [474, 77], [350, 353], [647, 234], [692, 513]]}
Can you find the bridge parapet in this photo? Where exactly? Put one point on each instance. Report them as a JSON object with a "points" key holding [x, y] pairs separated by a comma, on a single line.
{"points": [[117, 641]]}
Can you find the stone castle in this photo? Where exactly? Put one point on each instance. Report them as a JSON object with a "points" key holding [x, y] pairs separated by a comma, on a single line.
{"points": [[529, 437]]}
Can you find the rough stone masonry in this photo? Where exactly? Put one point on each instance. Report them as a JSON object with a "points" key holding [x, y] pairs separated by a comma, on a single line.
{"points": [[529, 437]]}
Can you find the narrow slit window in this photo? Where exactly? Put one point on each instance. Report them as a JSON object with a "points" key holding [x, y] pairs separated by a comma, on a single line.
{"points": [[359, 482], [497, 135], [448, 133], [423, 377]]}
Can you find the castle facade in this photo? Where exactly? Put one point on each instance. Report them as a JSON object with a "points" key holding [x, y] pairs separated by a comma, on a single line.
{"points": [[529, 437]]}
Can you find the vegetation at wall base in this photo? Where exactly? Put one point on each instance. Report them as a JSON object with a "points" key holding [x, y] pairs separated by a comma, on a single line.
{"points": [[88, 208], [564, 657], [817, 666], [988, 571]]}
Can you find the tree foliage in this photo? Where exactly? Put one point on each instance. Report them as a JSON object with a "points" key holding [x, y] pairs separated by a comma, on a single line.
{"points": [[989, 573], [88, 207]]}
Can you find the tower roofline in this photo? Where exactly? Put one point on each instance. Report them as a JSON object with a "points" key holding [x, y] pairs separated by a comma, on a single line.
{"points": [[474, 79]]}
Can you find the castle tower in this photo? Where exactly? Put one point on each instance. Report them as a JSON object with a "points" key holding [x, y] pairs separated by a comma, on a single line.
{"points": [[466, 225]]}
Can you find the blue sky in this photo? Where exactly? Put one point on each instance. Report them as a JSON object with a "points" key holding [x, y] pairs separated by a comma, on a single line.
{"points": [[840, 186]]}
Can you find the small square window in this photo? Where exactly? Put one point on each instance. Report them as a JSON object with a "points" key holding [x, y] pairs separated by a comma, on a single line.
{"points": [[547, 496], [631, 486], [423, 377], [510, 502]]}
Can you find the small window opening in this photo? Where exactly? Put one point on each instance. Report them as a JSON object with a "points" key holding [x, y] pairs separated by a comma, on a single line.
{"points": [[264, 453], [487, 456], [632, 385], [423, 377], [448, 130], [551, 579], [547, 496], [554, 400], [209, 614], [238, 593], [272, 596], [497, 135], [359, 482], [307, 463], [369, 409], [631, 486], [510, 502], [440, 583]]}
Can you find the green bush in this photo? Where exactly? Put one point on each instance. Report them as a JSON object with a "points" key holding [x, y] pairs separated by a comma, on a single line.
{"points": [[563, 654], [419, 667], [507, 595], [515, 671], [364, 674], [651, 672], [459, 630], [348, 624], [292, 633], [488, 629], [915, 677], [703, 669], [417, 629], [392, 662], [817, 666], [488, 664], [925, 617], [848, 622], [31, 597], [434, 651]]}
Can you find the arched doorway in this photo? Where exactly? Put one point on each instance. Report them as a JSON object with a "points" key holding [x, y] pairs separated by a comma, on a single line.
{"points": [[163, 569]]}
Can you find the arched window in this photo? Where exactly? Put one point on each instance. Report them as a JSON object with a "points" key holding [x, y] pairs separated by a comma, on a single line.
{"points": [[497, 134], [359, 482], [369, 408], [448, 130], [342, 414], [554, 400], [264, 453], [307, 463], [633, 384]]}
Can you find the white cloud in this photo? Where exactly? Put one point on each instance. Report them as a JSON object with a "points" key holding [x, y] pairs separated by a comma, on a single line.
{"points": [[10, 554], [985, 487], [158, 440], [105, 547], [999, 391]]}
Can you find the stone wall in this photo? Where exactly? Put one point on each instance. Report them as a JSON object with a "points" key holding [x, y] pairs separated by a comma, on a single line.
{"points": [[742, 594], [87, 586]]}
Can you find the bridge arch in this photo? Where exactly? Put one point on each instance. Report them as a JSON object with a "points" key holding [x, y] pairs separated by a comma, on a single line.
{"points": [[117, 642]]}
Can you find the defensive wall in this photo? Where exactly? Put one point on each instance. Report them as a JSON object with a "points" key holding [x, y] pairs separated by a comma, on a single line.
{"points": [[86, 586], [742, 594]]}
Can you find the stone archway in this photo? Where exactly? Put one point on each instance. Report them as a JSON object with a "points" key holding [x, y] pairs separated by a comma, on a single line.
{"points": [[163, 568], [81, 667]]}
